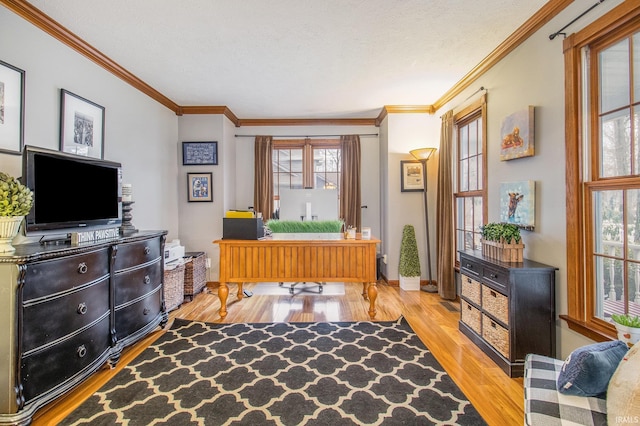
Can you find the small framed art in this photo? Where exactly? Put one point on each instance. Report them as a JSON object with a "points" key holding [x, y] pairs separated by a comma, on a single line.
{"points": [[517, 134], [411, 179], [199, 187], [199, 153], [11, 109], [81, 125]]}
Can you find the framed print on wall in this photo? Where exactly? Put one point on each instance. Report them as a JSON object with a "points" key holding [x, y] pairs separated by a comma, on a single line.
{"points": [[200, 153], [411, 179], [517, 133], [199, 187], [518, 203], [11, 109], [81, 125]]}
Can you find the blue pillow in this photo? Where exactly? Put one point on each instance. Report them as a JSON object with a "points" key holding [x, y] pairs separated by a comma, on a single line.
{"points": [[587, 370]]}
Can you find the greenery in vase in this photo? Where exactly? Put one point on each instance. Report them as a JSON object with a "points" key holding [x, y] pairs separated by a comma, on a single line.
{"points": [[626, 319], [409, 258], [15, 198], [501, 232], [315, 226]]}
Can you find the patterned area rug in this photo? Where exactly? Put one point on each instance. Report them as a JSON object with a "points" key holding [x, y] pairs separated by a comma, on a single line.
{"points": [[342, 373]]}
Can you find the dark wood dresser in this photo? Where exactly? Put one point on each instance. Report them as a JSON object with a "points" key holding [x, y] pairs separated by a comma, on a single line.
{"points": [[508, 309], [68, 309]]}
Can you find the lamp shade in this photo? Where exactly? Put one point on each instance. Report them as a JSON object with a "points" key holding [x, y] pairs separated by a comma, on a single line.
{"points": [[422, 153]]}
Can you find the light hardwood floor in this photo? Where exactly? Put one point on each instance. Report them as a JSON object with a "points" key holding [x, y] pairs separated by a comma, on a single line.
{"points": [[498, 398]]}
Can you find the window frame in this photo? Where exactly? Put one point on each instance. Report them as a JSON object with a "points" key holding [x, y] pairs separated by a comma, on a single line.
{"points": [[579, 128], [475, 111]]}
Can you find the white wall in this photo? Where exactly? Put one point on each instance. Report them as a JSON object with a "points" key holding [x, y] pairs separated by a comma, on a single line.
{"points": [[139, 132], [534, 75]]}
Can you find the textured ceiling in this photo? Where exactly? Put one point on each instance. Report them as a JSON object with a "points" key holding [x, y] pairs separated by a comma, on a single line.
{"points": [[295, 58]]}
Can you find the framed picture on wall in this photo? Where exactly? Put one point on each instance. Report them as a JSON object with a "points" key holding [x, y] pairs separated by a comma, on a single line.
{"points": [[199, 187], [81, 125], [200, 153], [517, 135], [411, 179], [11, 109], [518, 203]]}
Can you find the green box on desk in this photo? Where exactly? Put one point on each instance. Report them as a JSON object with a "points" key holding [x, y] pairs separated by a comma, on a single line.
{"points": [[242, 229]]}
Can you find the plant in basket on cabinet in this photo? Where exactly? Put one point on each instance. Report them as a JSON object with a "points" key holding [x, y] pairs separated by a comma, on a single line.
{"points": [[502, 241], [16, 201]]}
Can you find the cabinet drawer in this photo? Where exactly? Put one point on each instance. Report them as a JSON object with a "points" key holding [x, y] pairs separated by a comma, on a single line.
{"points": [[471, 316], [470, 267], [471, 289], [58, 275], [499, 278], [496, 304], [137, 253], [496, 335], [51, 319], [44, 370], [135, 283], [132, 318]]}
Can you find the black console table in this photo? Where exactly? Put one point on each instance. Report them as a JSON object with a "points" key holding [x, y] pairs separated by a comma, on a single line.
{"points": [[68, 309], [508, 309]]}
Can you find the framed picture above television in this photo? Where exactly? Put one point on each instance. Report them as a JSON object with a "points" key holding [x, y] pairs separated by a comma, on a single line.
{"points": [[81, 125]]}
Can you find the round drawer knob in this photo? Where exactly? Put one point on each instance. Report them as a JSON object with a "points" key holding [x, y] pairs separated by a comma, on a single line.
{"points": [[146, 311], [81, 351], [147, 250], [82, 268], [147, 279], [494, 276], [82, 308]]}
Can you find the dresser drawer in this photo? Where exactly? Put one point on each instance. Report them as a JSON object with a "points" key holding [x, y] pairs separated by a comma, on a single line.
{"points": [[495, 304], [471, 316], [50, 319], [471, 289], [135, 283], [43, 370], [470, 267], [497, 278], [58, 275], [133, 317], [137, 253], [496, 335]]}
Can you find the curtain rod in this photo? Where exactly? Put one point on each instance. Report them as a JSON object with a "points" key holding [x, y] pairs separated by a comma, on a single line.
{"points": [[306, 136], [560, 31]]}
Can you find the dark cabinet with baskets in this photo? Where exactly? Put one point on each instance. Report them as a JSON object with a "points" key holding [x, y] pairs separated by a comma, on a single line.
{"points": [[508, 309], [68, 310]]}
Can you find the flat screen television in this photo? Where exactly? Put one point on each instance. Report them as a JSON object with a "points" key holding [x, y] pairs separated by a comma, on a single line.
{"points": [[71, 193]]}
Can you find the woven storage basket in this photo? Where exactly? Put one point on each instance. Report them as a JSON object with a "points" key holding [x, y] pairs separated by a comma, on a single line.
{"points": [[195, 271], [471, 289], [496, 335], [173, 286], [471, 316], [502, 252], [496, 304]]}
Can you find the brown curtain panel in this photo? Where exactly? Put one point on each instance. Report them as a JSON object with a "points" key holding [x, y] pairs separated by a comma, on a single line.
{"points": [[263, 177], [444, 213], [350, 192]]}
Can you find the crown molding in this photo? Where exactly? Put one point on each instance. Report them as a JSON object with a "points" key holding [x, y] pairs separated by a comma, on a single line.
{"points": [[403, 109], [209, 110], [533, 24], [306, 122]]}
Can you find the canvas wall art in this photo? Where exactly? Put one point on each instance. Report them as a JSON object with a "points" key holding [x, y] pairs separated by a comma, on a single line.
{"points": [[518, 203], [517, 133]]}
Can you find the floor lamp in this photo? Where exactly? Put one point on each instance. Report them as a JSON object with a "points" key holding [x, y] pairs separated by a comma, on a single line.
{"points": [[423, 155]]}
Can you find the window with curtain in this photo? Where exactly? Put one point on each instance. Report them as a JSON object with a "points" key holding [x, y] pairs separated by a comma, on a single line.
{"points": [[470, 189], [604, 265], [305, 163]]}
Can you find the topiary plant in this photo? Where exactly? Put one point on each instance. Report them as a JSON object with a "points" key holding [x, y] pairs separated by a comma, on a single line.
{"points": [[507, 233], [409, 258], [15, 198]]}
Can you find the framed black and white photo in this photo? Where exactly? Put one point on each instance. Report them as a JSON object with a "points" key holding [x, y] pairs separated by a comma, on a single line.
{"points": [[81, 125], [199, 153], [199, 187], [11, 109], [411, 178]]}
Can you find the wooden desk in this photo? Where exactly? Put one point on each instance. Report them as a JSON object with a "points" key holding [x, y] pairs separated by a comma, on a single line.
{"points": [[275, 260]]}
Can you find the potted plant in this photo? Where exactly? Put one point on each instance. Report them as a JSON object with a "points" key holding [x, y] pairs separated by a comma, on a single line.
{"points": [[15, 203], [628, 328], [502, 241], [307, 229], [409, 268]]}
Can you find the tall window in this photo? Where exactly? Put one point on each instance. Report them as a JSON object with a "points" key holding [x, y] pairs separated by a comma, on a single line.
{"points": [[305, 163], [604, 267], [470, 194]]}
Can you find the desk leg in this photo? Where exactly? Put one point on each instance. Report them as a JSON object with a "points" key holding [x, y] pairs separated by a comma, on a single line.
{"points": [[240, 292], [223, 293], [372, 291], [365, 287]]}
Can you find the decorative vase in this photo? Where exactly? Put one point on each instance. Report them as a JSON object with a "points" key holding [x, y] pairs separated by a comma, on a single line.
{"points": [[629, 335], [9, 227]]}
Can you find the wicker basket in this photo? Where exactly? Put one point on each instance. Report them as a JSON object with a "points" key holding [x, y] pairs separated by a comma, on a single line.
{"points": [[496, 304], [471, 289], [195, 271], [471, 316], [503, 252], [496, 335], [173, 286]]}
